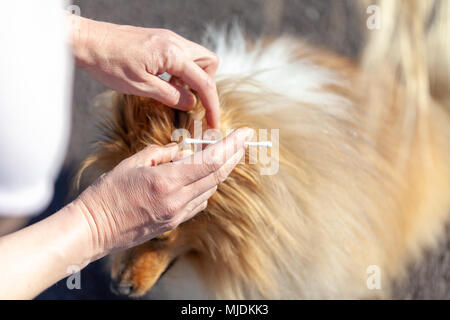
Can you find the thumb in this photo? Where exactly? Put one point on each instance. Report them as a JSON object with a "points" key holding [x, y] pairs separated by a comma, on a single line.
{"points": [[154, 155]]}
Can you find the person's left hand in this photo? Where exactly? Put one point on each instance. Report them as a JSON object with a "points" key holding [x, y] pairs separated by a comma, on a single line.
{"points": [[129, 59]]}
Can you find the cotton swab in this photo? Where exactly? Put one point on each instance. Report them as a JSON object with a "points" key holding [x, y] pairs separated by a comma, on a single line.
{"points": [[266, 144]]}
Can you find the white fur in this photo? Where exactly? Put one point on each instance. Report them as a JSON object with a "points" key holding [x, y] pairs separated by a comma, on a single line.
{"points": [[272, 67]]}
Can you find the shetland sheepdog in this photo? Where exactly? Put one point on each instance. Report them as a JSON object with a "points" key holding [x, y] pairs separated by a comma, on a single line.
{"points": [[363, 178]]}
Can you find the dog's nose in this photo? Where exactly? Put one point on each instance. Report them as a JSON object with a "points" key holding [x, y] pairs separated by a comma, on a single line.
{"points": [[123, 289]]}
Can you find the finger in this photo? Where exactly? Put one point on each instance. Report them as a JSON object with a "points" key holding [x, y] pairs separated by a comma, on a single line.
{"points": [[210, 69], [184, 89], [187, 99], [211, 159], [198, 187], [169, 94], [154, 155], [193, 213], [209, 64], [199, 80], [206, 59]]}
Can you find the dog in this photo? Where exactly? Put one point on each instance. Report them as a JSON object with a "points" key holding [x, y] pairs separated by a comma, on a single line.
{"points": [[362, 181]]}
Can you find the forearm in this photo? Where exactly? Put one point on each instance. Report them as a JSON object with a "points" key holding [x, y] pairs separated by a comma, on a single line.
{"points": [[36, 257]]}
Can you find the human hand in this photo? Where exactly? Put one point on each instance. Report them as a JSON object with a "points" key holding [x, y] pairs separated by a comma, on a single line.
{"points": [[145, 195], [129, 59]]}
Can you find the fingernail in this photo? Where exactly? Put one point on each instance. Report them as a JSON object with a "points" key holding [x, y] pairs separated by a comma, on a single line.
{"points": [[171, 145]]}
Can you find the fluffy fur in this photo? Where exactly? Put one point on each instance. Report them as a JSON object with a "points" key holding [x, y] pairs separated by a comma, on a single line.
{"points": [[363, 179]]}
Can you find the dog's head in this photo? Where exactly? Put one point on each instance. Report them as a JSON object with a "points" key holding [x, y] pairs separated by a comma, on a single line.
{"points": [[224, 237]]}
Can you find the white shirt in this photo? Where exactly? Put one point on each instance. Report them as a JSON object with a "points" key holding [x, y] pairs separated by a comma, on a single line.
{"points": [[35, 91]]}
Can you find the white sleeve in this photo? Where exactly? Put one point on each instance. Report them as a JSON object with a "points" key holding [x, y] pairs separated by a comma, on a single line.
{"points": [[35, 90]]}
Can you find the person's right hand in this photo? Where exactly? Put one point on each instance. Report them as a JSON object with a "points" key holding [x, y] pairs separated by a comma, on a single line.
{"points": [[129, 59], [145, 195]]}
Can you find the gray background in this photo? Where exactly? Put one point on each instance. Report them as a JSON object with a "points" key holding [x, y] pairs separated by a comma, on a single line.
{"points": [[331, 24]]}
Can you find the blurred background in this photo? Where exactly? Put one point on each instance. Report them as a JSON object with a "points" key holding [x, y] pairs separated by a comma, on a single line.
{"points": [[332, 24]]}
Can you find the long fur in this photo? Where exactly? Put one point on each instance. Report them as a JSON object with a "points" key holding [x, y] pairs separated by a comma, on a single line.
{"points": [[364, 166]]}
